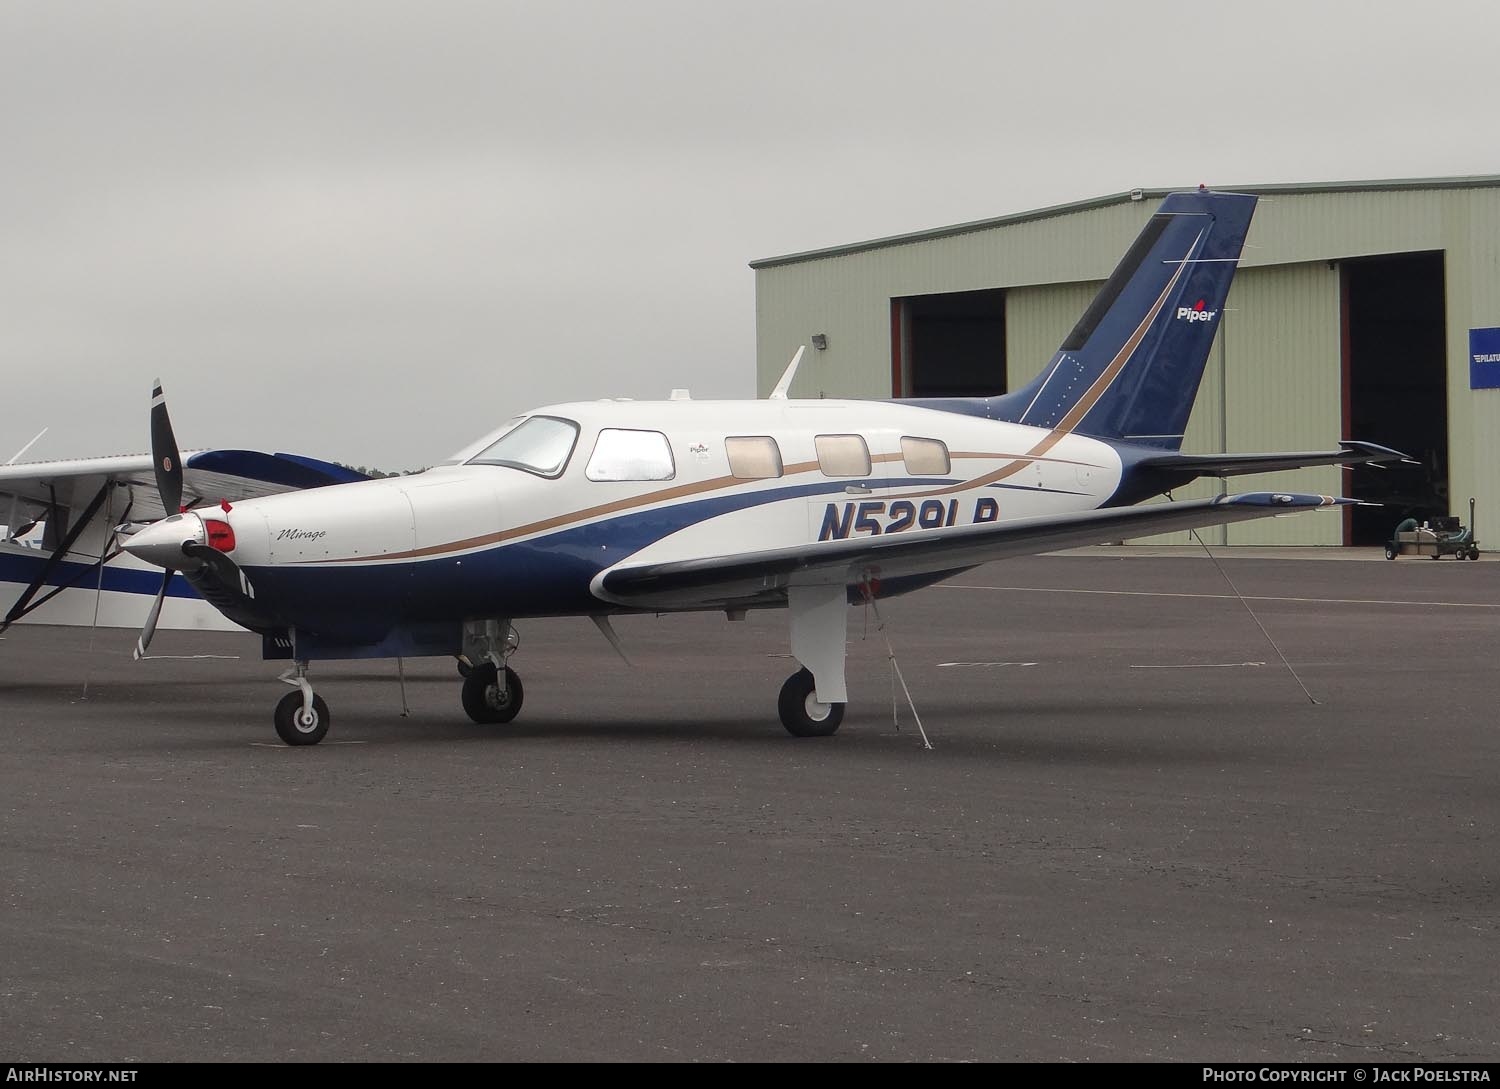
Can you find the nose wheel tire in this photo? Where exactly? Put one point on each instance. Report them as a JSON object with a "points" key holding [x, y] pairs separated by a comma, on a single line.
{"points": [[297, 729], [485, 701], [801, 713]]}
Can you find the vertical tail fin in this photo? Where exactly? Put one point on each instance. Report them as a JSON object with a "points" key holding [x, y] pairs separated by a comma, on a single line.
{"points": [[1130, 368]]}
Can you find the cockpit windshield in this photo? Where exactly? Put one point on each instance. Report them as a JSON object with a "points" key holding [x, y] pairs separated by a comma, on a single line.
{"points": [[484, 442], [539, 444]]}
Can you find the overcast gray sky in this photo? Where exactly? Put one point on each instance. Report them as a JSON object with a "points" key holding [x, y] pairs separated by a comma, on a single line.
{"points": [[372, 231]]}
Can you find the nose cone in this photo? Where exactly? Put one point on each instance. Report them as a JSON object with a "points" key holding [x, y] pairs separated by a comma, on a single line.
{"points": [[161, 542]]}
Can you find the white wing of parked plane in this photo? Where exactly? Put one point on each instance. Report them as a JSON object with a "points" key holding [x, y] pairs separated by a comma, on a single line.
{"points": [[745, 579], [209, 475], [60, 555]]}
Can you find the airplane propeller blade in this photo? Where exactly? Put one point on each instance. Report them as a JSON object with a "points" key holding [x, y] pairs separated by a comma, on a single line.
{"points": [[168, 465], [164, 453], [149, 631]]}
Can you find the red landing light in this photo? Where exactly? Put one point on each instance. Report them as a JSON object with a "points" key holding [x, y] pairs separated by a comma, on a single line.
{"points": [[220, 535]]}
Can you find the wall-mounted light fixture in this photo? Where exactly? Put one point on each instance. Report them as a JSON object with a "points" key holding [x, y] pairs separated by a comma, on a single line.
{"points": [[820, 341]]}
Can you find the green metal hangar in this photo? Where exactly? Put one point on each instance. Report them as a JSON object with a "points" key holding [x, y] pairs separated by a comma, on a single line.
{"points": [[1366, 310]]}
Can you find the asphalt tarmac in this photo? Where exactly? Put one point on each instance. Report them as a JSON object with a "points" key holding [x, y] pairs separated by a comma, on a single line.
{"points": [[1134, 837]]}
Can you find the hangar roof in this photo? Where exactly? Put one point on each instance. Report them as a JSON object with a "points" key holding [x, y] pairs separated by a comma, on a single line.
{"points": [[1474, 182]]}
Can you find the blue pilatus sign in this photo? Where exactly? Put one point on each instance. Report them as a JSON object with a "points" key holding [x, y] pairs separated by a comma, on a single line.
{"points": [[1484, 358]]}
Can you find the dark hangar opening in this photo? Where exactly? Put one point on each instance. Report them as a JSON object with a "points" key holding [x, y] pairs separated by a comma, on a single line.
{"points": [[1396, 388], [950, 345]]}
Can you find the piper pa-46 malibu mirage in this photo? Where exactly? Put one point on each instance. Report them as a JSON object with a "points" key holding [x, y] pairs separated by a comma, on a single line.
{"points": [[617, 507]]}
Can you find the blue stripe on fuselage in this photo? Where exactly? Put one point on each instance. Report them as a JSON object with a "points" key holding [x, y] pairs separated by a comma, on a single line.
{"points": [[542, 576]]}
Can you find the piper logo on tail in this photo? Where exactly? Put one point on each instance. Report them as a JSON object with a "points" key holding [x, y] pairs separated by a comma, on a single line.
{"points": [[1196, 312]]}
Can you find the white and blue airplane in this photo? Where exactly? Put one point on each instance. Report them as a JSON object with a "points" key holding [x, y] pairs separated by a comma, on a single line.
{"points": [[601, 508]]}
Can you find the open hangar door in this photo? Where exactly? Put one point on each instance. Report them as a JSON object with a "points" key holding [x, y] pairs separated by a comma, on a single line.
{"points": [[949, 345], [1395, 388]]}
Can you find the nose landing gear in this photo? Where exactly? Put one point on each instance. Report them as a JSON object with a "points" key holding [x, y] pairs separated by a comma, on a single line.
{"points": [[302, 717]]}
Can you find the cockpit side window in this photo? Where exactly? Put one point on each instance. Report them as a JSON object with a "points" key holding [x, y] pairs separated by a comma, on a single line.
{"points": [[631, 455], [539, 444]]}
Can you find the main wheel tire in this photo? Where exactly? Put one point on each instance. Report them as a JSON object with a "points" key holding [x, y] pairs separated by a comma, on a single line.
{"points": [[801, 713], [289, 725], [485, 702]]}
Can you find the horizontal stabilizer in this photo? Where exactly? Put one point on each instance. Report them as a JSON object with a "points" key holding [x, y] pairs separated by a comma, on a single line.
{"points": [[1349, 453]]}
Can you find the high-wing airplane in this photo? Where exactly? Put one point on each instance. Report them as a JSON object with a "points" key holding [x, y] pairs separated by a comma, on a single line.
{"points": [[60, 555], [612, 507]]}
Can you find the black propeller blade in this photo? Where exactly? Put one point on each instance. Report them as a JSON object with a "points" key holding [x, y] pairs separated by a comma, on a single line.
{"points": [[149, 631], [164, 453], [168, 465]]}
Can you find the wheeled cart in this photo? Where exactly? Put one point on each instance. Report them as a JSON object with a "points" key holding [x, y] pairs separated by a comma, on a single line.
{"points": [[1435, 537]]}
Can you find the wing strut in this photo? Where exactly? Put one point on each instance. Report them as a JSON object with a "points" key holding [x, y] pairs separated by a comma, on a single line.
{"points": [[23, 603]]}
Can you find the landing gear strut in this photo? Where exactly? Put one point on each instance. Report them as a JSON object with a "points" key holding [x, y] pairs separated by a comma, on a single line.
{"points": [[818, 616], [302, 717]]}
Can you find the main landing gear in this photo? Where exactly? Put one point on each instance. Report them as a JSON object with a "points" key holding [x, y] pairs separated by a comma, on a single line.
{"points": [[802, 713], [812, 699], [492, 692], [492, 697]]}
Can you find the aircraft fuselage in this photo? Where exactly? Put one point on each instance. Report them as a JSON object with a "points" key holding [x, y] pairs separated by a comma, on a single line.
{"points": [[482, 540]]}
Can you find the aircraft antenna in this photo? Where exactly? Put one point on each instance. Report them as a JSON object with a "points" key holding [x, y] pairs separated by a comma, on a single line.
{"points": [[1255, 618], [785, 383], [28, 446], [864, 588]]}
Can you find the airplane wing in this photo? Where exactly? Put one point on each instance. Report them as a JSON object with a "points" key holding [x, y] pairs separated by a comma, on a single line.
{"points": [[79, 503], [209, 475], [762, 577]]}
